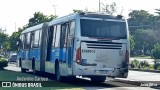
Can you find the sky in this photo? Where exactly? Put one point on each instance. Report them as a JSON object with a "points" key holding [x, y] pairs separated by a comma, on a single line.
{"points": [[16, 13]]}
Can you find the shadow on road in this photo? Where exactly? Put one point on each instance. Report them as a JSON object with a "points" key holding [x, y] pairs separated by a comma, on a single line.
{"points": [[80, 82]]}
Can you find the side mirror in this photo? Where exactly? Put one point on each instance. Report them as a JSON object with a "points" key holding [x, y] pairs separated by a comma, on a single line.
{"points": [[18, 42]]}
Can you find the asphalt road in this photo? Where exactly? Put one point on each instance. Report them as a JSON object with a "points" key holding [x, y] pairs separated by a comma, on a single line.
{"points": [[112, 84], [143, 76]]}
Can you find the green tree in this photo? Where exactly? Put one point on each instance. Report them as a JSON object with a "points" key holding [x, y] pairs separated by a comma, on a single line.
{"points": [[144, 41], [77, 11], [13, 39], [145, 29], [4, 45], [156, 54], [157, 11], [38, 18], [140, 19], [132, 43], [156, 51], [109, 8]]}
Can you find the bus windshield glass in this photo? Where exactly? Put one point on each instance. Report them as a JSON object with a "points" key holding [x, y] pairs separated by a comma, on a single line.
{"points": [[103, 29]]}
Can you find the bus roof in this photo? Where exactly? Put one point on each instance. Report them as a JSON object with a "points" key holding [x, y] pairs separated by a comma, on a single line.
{"points": [[33, 28], [101, 15], [63, 19], [72, 16], [85, 14]]}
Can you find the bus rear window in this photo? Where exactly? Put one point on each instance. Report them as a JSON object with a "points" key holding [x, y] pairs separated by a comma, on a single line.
{"points": [[103, 29]]}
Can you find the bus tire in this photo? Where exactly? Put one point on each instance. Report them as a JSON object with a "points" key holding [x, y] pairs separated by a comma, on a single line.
{"points": [[57, 72], [33, 66], [98, 79], [20, 62], [71, 78], [23, 70]]}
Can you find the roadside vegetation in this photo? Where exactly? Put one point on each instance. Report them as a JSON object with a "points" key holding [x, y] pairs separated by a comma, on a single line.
{"points": [[143, 65], [142, 57], [3, 63]]}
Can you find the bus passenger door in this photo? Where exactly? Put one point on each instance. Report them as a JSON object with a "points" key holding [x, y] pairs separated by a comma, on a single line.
{"points": [[70, 43], [63, 35], [67, 44], [49, 43], [26, 46], [31, 46]]}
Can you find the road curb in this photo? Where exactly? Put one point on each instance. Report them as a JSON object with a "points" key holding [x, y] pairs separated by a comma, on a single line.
{"points": [[129, 82], [138, 83], [155, 71]]}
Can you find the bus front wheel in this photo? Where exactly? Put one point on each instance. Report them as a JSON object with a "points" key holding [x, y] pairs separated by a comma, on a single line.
{"points": [[57, 73], [33, 66]]}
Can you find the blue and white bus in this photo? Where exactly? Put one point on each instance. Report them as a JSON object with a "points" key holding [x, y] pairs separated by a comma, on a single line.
{"points": [[93, 45]]}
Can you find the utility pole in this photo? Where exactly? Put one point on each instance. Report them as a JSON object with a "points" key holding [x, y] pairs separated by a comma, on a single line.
{"points": [[1, 30], [99, 6], [15, 26], [54, 9], [5, 30]]}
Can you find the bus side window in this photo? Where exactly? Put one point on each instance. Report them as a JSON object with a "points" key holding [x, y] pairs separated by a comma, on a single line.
{"points": [[25, 41], [32, 39], [72, 28], [66, 35], [28, 41], [63, 35], [36, 39], [21, 42], [40, 33], [58, 36], [71, 33], [54, 36]]}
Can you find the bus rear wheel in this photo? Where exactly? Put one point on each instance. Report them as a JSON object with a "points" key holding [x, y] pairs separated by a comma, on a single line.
{"points": [[98, 79]]}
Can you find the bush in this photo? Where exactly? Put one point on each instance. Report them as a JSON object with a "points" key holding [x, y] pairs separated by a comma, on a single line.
{"points": [[151, 67], [158, 68], [156, 65], [156, 51], [134, 64], [3, 63], [144, 64]]}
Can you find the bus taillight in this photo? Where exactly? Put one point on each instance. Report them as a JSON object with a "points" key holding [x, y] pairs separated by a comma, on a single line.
{"points": [[78, 55], [127, 57]]}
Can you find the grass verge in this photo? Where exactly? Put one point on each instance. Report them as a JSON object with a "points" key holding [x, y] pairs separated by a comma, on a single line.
{"points": [[6, 75], [141, 57]]}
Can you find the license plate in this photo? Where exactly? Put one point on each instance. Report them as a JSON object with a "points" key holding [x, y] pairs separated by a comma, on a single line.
{"points": [[103, 72]]}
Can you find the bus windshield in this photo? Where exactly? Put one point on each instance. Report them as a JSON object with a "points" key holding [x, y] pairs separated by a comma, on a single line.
{"points": [[103, 29]]}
